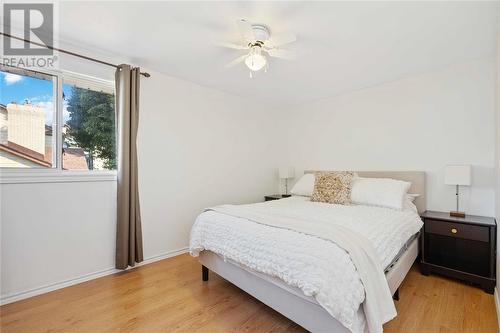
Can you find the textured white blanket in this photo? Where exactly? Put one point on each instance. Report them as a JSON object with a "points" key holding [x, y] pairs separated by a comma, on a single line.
{"points": [[305, 244]]}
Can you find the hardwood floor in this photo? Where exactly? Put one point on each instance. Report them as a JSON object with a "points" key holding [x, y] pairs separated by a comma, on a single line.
{"points": [[169, 296]]}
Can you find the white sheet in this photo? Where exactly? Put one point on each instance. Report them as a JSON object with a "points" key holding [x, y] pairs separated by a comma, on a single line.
{"points": [[320, 268]]}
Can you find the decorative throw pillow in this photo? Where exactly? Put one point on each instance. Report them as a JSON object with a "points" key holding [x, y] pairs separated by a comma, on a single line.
{"points": [[333, 187]]}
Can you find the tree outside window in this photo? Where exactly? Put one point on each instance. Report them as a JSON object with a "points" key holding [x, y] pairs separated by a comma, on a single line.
{"points": [[91, 126]]}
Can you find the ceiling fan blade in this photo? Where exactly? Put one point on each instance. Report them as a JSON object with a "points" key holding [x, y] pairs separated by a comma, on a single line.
{"points": [[246, 31], [282, 54], [281, 39], [233, 46], [237, 61]]}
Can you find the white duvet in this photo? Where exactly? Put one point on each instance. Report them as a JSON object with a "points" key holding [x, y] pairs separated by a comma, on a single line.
{"points": [[317, 266]]}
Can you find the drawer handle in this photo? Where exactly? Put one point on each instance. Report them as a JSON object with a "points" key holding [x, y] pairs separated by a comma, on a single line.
{"points": [[454, 231]]}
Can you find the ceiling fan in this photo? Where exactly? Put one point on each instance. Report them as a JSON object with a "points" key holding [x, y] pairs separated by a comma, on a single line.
{"points": [[258, 42]]}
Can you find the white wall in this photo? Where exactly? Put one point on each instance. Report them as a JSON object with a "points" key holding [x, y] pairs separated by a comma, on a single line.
{"points": [[418, 123], [197, 147], [53, 232]]}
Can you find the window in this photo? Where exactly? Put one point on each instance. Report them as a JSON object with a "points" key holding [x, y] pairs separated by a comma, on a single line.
{"points": [[32, 104], [27, 116], [89, 127]]}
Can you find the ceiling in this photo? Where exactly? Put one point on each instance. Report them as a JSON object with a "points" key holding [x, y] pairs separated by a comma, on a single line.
{"points": [[342, 46]]}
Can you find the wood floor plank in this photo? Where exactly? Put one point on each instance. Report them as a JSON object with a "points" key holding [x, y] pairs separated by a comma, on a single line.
{"points": [[169, 296]]}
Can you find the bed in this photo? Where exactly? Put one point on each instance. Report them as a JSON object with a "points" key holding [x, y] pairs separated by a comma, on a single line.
{"points": [[298, 301]]}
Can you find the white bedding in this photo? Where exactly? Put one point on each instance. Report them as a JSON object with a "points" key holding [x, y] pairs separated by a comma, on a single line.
{"points": [[318, 267]]}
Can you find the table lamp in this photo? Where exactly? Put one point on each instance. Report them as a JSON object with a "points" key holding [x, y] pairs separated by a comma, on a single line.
{"points": [[458, 175], [286, 173]]}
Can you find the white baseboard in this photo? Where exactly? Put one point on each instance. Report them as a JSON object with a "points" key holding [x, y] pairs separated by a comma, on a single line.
{"points": [[6, 299], [497, 306]]}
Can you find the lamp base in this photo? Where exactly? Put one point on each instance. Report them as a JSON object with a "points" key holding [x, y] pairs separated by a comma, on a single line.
{"points": [[458, 214]]}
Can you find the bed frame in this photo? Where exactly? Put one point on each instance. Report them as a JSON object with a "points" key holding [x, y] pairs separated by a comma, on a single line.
{"points": [[305, 311]]}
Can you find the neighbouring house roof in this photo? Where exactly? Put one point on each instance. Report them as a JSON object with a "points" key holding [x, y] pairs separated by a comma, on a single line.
{"points": [[26, 153], [74, 159]]}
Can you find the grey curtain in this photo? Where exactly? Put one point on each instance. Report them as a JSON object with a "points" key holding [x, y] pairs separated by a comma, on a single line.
{"points": [[128, 228]]}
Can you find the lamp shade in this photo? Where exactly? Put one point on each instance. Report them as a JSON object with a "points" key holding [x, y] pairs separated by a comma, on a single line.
{"points": [[457, 175], [286, 173], [255, 61]]}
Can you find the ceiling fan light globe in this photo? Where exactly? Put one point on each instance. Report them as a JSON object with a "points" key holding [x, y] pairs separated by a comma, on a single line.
{"points": [[255, 62]]}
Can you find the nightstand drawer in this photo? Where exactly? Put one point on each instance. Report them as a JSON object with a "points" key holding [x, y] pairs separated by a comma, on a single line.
{"points": [[457, 230]]}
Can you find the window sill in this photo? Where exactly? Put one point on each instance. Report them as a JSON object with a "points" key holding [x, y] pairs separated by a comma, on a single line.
{"points": [[11, 176]]}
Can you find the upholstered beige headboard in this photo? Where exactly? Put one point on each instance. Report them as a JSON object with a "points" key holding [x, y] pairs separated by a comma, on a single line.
{"points": [[417, 179]]}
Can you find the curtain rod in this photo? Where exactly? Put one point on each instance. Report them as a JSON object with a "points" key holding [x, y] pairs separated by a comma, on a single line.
{"points": [[145, 74]]}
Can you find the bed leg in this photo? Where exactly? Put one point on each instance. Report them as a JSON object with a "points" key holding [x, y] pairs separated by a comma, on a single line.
{"points": [[396, 295], [204, 273]]}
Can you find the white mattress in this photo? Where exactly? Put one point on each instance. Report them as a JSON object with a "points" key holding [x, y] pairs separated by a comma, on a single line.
{"points": [[401, 252]]}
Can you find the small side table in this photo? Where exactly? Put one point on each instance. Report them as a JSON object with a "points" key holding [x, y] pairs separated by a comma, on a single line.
{"points": [[460, 248]]}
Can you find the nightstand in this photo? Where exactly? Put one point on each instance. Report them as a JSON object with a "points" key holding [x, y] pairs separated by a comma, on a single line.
{"points": [[276, 197], [460, 248]]}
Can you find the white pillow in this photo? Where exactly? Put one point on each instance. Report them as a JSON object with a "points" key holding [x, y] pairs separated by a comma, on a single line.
{"points": [[382, 192], [305, 185]]}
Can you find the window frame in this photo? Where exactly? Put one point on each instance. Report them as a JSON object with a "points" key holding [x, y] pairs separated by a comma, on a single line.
{"points": [[56, 172]]}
